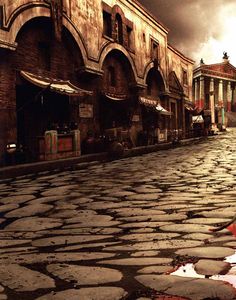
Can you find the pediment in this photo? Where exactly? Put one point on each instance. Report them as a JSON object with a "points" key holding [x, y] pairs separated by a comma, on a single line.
{"points": [[174, 83], [223, 68]]}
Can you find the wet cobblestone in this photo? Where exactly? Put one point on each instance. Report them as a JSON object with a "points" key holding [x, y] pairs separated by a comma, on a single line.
{"points": [[113, 229]]}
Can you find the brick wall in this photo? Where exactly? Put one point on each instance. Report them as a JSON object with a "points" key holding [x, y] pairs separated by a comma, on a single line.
{"points": [[65, 59], [123, 74]]}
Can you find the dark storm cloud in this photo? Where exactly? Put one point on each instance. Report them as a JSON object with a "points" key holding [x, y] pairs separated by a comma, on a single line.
{"points": [[191, 22]]}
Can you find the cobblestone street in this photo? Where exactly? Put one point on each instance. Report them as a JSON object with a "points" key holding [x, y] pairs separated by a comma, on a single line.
{"points": [[118, 230]]}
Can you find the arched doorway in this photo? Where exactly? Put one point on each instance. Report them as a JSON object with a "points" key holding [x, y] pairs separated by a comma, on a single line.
{"points": [[45, 99], [153, 107], [118, 99]]}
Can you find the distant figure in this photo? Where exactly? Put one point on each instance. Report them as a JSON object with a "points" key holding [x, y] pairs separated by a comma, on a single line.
{"points": [[201, 61], [225, 56]]}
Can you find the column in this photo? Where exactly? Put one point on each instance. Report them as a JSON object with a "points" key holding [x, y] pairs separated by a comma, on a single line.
{"points": [[212, 101], [221, 103], [229, 96], [233, 100], [201, 93], [196, 92], [220, 94]]}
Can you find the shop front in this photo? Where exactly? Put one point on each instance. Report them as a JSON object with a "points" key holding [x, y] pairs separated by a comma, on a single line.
{"points": [[47, 128], [189, 111], [116, 117], [44, 92], [117, 100], [154, 119], [198, 125]]}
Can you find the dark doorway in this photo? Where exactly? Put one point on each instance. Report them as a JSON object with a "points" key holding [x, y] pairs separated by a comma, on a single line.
{"points": [[37, 111], [114, 113]]}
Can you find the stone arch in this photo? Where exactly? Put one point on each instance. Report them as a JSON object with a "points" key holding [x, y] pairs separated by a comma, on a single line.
{"points": [[117, 10], [118, 97], [147, 70], [49, 58], [155, 82], [117, 47], [18, 20]]}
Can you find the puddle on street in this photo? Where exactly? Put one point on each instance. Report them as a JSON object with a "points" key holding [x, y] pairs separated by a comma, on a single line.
{"points": [[231, 259], [187, 270]]}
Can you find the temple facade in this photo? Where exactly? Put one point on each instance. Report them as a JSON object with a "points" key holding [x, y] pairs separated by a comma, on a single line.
{"points": [[214, 90], [78, 74]]}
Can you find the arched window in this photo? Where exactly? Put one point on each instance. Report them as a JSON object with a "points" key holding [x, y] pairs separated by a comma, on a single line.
{"points": [[119, 29], [111, 76]]}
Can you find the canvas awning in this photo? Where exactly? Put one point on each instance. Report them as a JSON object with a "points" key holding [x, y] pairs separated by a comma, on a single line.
{"points": [[154, 103], [115, 97], [198, 119], [162, 110], [55, 85], [148, 102], [189, 108]]}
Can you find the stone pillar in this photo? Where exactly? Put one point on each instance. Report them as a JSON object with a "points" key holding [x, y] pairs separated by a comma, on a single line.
{"points": [[233, 100], [221, 103], [196, 92], [76, 142], [201, 93], [212, 101], [220, 95], [51, 144], [229, 96]]}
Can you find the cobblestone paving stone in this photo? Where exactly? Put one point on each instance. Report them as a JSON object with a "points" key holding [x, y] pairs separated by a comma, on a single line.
{"points": [[117, 230]]}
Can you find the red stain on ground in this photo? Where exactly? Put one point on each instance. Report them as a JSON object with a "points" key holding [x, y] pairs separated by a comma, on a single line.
{"points": [[232, 228], [170, 298]]}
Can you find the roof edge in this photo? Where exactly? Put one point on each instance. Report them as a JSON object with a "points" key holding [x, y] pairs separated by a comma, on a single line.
{"points": [[172, 48], [148, 14]]}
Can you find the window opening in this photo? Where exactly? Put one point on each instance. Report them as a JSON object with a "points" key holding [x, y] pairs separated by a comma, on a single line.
{"points": [[185, 77], [107, 27], [129, 33], [119, 29]]}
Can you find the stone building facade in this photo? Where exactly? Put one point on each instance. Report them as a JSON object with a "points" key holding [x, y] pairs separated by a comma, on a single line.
{"points": [[214, 90], [104, 65]]}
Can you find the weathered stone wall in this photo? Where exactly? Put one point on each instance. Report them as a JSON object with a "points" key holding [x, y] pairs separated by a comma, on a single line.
{"points": [[85, 21], [83, 64], [65, 59], [178, 63]]}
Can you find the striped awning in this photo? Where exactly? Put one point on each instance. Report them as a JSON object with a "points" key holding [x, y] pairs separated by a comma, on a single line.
{"points": [[115, 97], [154, 103], [162, 110], [198, 119], [55, 85], [148, 102]]}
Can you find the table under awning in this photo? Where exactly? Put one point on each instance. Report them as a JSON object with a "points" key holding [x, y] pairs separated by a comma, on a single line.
{"points": [[154, 103], [55, 85]]}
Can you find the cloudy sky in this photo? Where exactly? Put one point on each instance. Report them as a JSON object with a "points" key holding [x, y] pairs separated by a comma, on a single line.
{"points": [[199, 28]]}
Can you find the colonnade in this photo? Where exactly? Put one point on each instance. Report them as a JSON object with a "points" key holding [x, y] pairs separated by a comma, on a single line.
{"points": [[221, 95]]}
